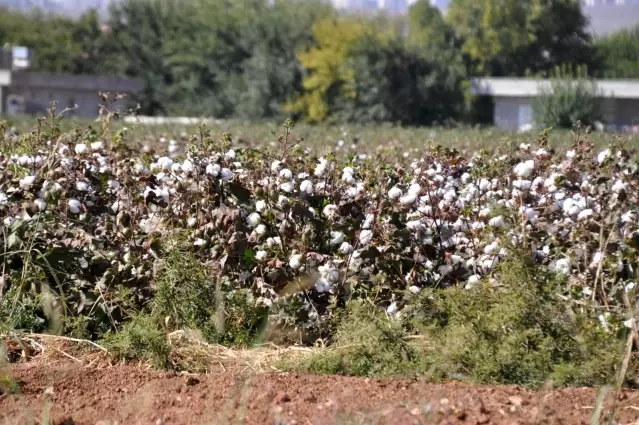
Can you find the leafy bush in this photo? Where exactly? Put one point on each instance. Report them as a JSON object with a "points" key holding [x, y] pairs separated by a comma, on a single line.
{"points": [[187, 297], [140, 338], [516, 330], [568, 100]]}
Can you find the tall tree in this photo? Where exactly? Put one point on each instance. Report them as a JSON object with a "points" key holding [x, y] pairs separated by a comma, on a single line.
{"points": [[329, 76], [514, 37], [619, 54]]}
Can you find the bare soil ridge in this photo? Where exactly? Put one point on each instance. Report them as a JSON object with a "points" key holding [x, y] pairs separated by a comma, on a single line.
{"points": [[127, 394]]}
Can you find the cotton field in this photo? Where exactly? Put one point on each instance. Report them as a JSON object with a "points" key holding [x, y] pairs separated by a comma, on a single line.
{"points": [[96, 217]]}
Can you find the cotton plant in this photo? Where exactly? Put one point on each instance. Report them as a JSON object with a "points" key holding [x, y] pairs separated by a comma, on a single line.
{"points": [[270, 219]]}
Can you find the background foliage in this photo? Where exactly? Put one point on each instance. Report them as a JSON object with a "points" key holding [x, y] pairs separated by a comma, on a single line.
{"points": [[258, 59]]}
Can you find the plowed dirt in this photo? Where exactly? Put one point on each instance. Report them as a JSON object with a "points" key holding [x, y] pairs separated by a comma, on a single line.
{"points": [[126, 394]]}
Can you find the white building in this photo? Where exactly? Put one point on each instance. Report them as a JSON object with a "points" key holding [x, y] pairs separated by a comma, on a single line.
{"points": [[514, 96], [30, 93]]}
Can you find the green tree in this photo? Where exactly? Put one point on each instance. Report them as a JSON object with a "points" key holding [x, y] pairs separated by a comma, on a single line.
{"points": [[394, 82], [515, 37], [329, 76], [619, 54], [60, 44], [214, 57]]}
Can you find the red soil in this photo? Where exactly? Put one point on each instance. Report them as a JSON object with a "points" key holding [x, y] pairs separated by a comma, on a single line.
{"points": [[131, 395]]}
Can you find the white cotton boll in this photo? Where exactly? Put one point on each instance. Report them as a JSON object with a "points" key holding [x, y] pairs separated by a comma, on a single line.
{"points": [[531, 214], [368, 221], [542, 152], [287, 187], [413, 224], [524, 147], [583, 215], [276, 165], [226, 174], [348, 178], [295, 262], [187, 166], [319, 170], [165, 163], [81, 148], [96, 146], [113, 184], [41, 204], [394, 193], [348, 170], [306, 187], [365, 237], [415, 188], [82, 186], [260, 205], [491, 249], [74, 206], [8, 221], [25, 160], [522, 184], [322, 285], [261, 255], [260, 229], [431, 173], [286, 174], [465, 178], [629, 217], [330, 210], [63, 150], [570, 154], [619, 186], [199, 242], [603, 156], [191, 222], [27, 181], [414, 289], [524, 169], [563, 266], [162, 139], [336, 238], [597, 257], [253, 220], [230, 155], [271, 242], [484, 185], [456, 259], [574, 210], [392, 308], [346, 248], [330, 273], [497, 221], [472, 281], [408, 199], [213, 169]]}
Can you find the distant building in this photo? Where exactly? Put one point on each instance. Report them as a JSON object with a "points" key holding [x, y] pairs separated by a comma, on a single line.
{"points": [[30, 93], [513, 99]]}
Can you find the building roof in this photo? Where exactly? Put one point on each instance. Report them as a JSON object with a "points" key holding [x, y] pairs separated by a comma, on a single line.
{"points": [[76, 82], [530, 87]]}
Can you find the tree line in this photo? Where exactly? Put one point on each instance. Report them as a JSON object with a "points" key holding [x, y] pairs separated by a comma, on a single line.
{"points": [[264, 59]]}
